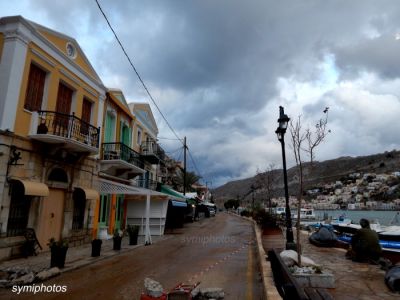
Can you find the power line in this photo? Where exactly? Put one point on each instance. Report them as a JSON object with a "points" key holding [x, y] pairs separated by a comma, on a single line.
{"points": [[180, 154], [137, 73], [176, 150], [169, 139], [142, 82], [194, 164]]}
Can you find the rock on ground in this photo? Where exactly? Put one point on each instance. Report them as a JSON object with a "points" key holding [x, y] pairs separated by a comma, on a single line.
{"points": [[23, 280], [153, 288], [41, 276], [212, 293]]}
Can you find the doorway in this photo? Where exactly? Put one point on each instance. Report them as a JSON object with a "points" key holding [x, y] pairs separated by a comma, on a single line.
{"points": [[119, 212], [51, 217]]}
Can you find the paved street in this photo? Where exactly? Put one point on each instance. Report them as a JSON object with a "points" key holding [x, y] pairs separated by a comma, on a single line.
{"points": [[218, 252]]}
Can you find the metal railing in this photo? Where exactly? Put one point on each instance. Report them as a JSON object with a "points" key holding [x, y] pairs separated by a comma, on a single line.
{"points": [[68, 126], [146, 183], [152, 148], [121, 151]]}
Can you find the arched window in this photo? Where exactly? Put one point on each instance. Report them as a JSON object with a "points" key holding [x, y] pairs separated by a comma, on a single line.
{"points": [[19, 210], [59, 175]]}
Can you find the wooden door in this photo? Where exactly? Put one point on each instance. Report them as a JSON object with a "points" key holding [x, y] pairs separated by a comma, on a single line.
{"points": [[63, 110], [86, 116], [119, 211], [51, 217]]}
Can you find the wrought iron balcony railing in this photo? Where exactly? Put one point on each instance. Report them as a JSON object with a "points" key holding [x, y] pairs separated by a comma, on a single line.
{"points": [[152, 151], [112, 151], [146, 183], [69, 127]]}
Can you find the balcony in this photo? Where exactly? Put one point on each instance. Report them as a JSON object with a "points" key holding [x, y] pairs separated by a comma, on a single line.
{"points": [[146, 184], [152, 152], [65, 131], [119, 160]]}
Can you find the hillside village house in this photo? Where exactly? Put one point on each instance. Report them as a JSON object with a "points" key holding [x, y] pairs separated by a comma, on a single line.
{"points": [[51, 108]]}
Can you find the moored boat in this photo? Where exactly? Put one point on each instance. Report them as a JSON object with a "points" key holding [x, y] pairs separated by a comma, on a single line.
{"points": [[305, 214]]}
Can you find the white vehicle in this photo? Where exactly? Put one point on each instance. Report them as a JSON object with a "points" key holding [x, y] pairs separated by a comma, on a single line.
{"points": [[212, 208]]}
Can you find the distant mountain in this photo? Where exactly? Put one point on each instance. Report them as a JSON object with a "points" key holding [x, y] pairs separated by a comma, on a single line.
{"points": [[319, 174]]}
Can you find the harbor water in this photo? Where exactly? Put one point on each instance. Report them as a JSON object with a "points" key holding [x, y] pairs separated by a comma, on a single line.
{"points": [[384, 217]]}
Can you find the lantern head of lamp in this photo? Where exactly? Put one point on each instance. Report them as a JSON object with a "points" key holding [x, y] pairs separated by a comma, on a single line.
{"points": [[279, 133], [283, 121]]}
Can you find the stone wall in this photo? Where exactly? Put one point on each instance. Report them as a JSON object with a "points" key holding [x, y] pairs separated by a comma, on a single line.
{"points": [[35, 164]]}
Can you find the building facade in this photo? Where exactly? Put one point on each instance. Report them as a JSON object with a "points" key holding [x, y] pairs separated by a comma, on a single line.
{"points": [[78, 162], [51, 108]]}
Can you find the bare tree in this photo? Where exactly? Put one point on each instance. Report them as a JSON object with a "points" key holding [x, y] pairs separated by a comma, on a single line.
{"points": [[269, 181], [264, 181], [313, 139], [298, 137]]}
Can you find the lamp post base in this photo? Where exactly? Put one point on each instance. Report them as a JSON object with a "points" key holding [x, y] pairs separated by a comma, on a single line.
{"points": [[291, 246]]}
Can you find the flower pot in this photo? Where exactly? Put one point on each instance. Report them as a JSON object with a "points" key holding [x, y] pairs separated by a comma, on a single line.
{"points": [[133, 239], [133, 231], [58, 256], [117, 243], [96, 247]]}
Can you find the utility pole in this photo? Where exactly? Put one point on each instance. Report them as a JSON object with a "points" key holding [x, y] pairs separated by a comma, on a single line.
{"points": [[184, 165]]}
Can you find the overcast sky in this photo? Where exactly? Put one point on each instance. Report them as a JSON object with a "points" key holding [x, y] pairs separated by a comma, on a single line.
{"points": [[220, 69]]}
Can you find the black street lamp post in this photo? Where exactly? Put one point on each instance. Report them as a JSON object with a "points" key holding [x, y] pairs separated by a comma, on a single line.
{"points": [[280, 132]]}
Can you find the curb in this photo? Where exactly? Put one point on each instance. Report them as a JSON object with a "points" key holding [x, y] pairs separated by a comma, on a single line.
{"points": [[270, 291]]}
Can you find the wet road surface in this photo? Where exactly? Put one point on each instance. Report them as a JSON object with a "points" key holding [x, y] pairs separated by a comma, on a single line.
{"points": [[218, 252]]}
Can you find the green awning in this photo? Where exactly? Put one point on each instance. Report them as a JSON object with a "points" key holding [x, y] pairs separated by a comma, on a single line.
{"points": [[191, 201], [169, 191]]}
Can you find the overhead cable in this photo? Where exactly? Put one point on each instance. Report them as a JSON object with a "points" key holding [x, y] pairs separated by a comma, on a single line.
{"points": [[136, 72]]}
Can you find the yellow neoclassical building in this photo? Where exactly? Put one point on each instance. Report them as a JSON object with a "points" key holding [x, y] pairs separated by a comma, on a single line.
{"points": [[51, 111]]}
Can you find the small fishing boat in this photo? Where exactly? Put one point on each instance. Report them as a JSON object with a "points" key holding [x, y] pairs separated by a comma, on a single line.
{"points": [[386, 245], [305, 214]]}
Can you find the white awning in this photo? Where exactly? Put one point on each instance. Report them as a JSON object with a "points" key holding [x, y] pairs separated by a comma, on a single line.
{"points": [[33, 188], [89, 193], [112, 187]]}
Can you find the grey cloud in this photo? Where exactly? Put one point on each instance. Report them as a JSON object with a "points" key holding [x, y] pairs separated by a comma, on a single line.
{"points": [[224, 58], [378, 55]]}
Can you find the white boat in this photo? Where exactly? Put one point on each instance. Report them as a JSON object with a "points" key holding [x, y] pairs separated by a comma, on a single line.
{"points": [[305, 214], [280, 210]]}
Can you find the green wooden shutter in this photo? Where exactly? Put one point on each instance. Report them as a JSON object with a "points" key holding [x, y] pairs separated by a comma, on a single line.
{"points": [[108, 135]]}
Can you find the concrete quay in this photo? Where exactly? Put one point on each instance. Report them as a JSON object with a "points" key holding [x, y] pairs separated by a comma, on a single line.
{"points": [[353, 281]]}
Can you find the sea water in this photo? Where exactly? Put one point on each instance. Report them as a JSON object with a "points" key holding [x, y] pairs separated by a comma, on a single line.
{"points": [[384, 217]]}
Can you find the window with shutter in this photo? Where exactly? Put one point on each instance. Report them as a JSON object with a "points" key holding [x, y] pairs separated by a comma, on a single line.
{"points": [[63, 108], [86, 115], [34, 91]]}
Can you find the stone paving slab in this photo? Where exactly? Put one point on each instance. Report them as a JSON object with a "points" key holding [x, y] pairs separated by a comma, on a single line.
{"points": [[353, 281]]}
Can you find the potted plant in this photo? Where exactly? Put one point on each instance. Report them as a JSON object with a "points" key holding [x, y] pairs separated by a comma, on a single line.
{"points": [[133, 231], [117, 239], [96, 247], [58, 252]]}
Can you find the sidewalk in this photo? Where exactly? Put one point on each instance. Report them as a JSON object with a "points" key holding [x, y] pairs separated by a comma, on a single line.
{"points": [[77, 257]]}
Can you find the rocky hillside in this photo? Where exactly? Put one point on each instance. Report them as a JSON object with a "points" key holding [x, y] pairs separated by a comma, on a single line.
{"points": [[318, 174]]}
